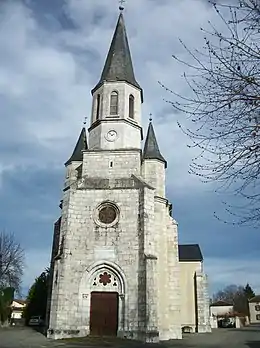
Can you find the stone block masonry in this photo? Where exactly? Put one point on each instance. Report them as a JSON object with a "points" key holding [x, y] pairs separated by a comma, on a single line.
{"points": [[202, 298], [115, 269]]}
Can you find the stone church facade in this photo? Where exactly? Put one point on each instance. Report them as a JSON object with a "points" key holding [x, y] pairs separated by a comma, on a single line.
{"points": [[115, 266]]}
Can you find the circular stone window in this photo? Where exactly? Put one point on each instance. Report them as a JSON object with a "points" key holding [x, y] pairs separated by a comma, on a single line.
{"points": [[107, 214]]}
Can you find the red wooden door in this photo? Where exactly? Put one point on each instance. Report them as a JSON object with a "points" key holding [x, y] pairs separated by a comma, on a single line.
{"points": [[104, 313]]}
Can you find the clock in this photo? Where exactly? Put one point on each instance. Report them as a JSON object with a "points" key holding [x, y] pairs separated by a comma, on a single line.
{"points": [[111, 135]]}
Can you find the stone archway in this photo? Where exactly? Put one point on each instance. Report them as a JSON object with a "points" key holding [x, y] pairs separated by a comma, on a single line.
{"points": [[103, 285]]}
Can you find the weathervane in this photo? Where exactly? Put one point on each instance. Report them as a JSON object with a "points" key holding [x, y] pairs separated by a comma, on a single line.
{"points": [[85, 120], [151, 117], [121, 5]]}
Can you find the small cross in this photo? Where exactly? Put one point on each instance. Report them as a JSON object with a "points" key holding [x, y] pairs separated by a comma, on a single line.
{"points": [[85, 120], [121, 5], [151, 117]]}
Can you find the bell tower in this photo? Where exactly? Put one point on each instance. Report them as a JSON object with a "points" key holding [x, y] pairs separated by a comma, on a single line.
{"points": [[115, 266], [117, 98]]}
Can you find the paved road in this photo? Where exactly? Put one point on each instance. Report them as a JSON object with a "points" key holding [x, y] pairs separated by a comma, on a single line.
{"points": [[222, 338]]}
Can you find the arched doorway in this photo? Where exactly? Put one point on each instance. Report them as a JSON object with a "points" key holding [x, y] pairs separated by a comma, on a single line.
{"points": [[104, 291]]}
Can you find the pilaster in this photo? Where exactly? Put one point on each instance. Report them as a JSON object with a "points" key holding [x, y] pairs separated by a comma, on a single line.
{"points": [[151, 266], [173, 280], [202, 299]]}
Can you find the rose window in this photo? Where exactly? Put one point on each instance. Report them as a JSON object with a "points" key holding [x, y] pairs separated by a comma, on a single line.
{"points": [[107, 214], [105, 278]]}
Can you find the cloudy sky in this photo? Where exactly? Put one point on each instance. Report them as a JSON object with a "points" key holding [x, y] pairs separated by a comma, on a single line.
{"points": [[52, 54]]}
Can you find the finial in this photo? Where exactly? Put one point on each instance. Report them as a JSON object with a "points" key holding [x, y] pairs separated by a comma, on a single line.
{"points": [[151, 117], [85, 120], [121, 5]]}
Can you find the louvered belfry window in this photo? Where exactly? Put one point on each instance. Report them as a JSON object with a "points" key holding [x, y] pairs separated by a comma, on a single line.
{"points": [[131, 106], [114, 103]]}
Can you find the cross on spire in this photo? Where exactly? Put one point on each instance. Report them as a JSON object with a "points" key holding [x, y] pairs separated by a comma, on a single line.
{"points": [[118, 65], [121, 5]]}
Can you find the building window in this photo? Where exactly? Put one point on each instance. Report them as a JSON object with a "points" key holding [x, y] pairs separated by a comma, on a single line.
{"points": [[114, 103], [258, 317], [107, 214], [131, 106], [98, 107], [257, 308]]}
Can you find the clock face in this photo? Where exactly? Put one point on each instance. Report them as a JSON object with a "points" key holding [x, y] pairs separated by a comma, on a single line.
{"points": [[111, 135]]}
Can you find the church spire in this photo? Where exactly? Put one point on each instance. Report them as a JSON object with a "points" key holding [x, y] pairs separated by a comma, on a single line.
{"points": [[151, 148], [118, 65], [81, 145]]}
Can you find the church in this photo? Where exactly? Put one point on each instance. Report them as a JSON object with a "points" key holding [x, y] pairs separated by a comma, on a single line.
{"points": [[116, 265]]}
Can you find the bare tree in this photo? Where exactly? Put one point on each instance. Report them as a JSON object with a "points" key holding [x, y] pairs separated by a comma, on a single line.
{"points": [[223, 106], [11, 261], [228, 293], [237, 296]]}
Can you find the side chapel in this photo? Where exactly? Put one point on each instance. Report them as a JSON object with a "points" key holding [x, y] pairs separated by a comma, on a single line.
{"points": [[116, 266]]}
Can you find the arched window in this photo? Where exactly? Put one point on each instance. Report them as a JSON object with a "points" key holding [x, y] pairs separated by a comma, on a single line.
{"points": [[98, 107], [114, 103], [131, 106]]}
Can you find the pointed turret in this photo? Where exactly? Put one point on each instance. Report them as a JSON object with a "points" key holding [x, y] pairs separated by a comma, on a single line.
{"points": [[81, 145], [151, 148], [118, 65]]}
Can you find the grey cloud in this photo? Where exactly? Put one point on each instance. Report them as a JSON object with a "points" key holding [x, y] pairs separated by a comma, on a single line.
{"points": [[29, 204], [52, 55]]}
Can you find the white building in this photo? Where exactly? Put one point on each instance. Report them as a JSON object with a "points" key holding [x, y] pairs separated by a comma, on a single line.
{"points": [[254, 309], [115, 262], [221, 309], [17, 309]]}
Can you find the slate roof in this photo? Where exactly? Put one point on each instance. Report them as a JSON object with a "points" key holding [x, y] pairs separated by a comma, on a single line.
{"points": [[151, 148], [118, 65], [190, 252], [220, 304], [22, 302], [81, 145], [255, 299]]}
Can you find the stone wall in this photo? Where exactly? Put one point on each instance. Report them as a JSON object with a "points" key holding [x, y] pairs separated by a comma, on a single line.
{"points": [[165, 241], [54, 253], [151, 266], [129, 131], [153, 171], [111, 164], [88, 247], [188, 293], [173, 279], [124, 90], [202, 297]]}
